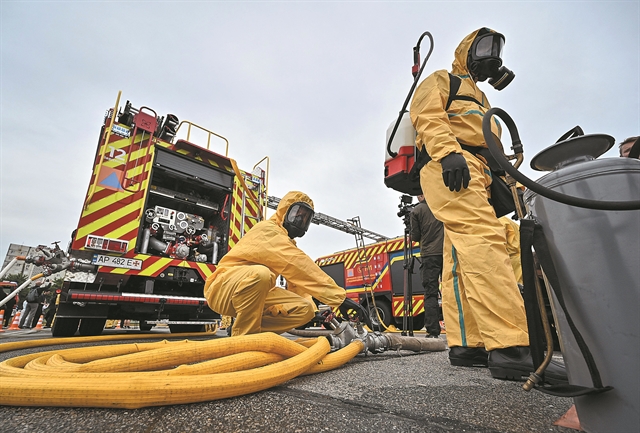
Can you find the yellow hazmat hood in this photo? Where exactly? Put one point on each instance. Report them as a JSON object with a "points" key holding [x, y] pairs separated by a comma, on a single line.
{"points": [[285, 203], [459, 66]]}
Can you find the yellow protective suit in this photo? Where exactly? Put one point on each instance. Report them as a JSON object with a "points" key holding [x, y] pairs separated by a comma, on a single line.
{"points": [[243, 285], [512, 232], [482, 305]]}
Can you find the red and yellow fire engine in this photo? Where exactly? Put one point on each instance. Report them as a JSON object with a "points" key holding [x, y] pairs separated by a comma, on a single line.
{"points": [[159, 213], [373, 275]]}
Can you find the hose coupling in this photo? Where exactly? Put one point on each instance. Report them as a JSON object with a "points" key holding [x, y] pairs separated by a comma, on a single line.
{"points": [[375, 342], [36, 260], [342, 336], [532, 381], [345, 332], [78, 266]]}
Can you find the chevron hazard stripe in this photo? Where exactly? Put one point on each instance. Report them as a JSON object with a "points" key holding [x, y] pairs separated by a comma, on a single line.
{"points": [[153, 266], [113, 211]]}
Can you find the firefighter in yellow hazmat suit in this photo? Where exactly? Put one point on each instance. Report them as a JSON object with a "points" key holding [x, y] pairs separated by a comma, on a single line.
{"points": [[482, 306], [243, 285]]}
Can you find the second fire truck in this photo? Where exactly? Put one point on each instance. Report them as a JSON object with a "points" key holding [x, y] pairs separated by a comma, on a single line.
{"points": [[373, 275]]}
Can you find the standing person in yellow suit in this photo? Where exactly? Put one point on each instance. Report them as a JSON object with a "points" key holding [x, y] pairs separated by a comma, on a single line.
{"points": [[482, 306], [243, 285]]}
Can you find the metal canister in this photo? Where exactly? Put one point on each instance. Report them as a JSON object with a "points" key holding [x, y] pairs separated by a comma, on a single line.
{"points": [[597, 257]]}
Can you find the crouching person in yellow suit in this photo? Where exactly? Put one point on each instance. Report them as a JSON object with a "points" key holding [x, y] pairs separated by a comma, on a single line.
{"points": [[243, 285]]}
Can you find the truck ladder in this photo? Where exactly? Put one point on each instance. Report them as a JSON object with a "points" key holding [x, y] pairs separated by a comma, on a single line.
{"points": [[362, 258], [365, 270], [326, 220]]}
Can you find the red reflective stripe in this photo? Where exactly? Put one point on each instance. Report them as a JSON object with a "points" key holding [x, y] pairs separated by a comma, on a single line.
{"points": [[118, 223], [107, 210], [118, 298]]}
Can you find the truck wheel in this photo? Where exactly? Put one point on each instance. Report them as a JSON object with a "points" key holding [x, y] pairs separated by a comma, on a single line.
{"points": [[178, 329], [384, 310], [144, 326], [418, 322], [89, 327], [64, 327]]}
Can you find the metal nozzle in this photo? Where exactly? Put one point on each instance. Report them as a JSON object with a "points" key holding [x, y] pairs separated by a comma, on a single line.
{"points": [[532, 381]]}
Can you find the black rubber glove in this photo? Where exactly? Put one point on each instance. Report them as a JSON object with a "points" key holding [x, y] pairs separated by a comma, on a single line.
{"points": [[455, 172], [324, 318], [360, 311]]}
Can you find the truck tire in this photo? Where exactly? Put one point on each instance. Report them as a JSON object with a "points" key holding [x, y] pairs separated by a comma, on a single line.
{"points": [[178, 329], [384, 310], [64, 327], [418, 322], [90, 327], [144, 326]]}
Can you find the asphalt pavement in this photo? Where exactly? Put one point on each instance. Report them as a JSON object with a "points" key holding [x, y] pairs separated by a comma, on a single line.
{"points": [[388, 392]]}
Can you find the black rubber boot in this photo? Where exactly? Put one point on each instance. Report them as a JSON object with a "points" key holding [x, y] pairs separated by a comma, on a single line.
{"points": [[460, 356], [515, 363]]}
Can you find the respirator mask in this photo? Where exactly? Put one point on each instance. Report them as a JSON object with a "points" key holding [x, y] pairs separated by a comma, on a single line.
{"points": [[298, 219], [485, 60]]}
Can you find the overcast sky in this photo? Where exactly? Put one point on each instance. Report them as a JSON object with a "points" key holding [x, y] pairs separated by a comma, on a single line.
{"points": [[312, 85]]}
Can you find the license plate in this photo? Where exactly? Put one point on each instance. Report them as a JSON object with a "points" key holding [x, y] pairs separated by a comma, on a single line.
{"points": [[116, 262]]}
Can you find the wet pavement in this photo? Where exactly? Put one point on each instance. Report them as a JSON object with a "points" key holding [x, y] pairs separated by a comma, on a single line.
{"points": [[388, 392]]}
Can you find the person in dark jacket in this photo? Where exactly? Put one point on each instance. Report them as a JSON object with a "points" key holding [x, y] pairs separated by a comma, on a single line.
{"points": [[50, 311], [429, 232], [35, 299], [42, 299]]}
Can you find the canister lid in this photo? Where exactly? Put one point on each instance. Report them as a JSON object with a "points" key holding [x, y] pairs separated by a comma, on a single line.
{"points": [[577, 149]]}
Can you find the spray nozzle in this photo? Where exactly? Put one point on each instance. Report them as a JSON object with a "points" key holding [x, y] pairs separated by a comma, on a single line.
{"points": [[416, 61]]}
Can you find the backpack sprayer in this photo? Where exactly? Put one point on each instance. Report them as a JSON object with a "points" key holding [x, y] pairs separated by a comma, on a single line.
{"points": [[403, 160], [402, 165]]}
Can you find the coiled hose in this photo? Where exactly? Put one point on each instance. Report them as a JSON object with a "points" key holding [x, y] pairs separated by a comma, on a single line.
{"points": [[136, 375]]}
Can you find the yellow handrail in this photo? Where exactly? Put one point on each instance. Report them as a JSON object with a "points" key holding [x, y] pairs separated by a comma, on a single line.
{"points": [[210, 133], [266, 185]]}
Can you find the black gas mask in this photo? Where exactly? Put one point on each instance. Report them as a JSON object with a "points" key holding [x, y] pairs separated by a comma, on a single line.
{"points": [[485, 60], [298, 219]]}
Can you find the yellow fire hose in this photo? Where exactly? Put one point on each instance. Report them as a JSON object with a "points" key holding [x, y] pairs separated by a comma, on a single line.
{"points": [[136, 375]]}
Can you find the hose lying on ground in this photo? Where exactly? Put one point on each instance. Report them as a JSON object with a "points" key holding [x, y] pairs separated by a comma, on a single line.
{"points": [[385, 341], [161, 373]]}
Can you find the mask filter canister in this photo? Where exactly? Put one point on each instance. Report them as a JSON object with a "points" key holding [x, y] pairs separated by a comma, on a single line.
{"points": [[502, 78]]}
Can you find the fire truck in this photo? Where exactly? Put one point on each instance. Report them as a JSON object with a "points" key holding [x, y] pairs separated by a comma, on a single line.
{"points": [[373, 275], [159, 213]]}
